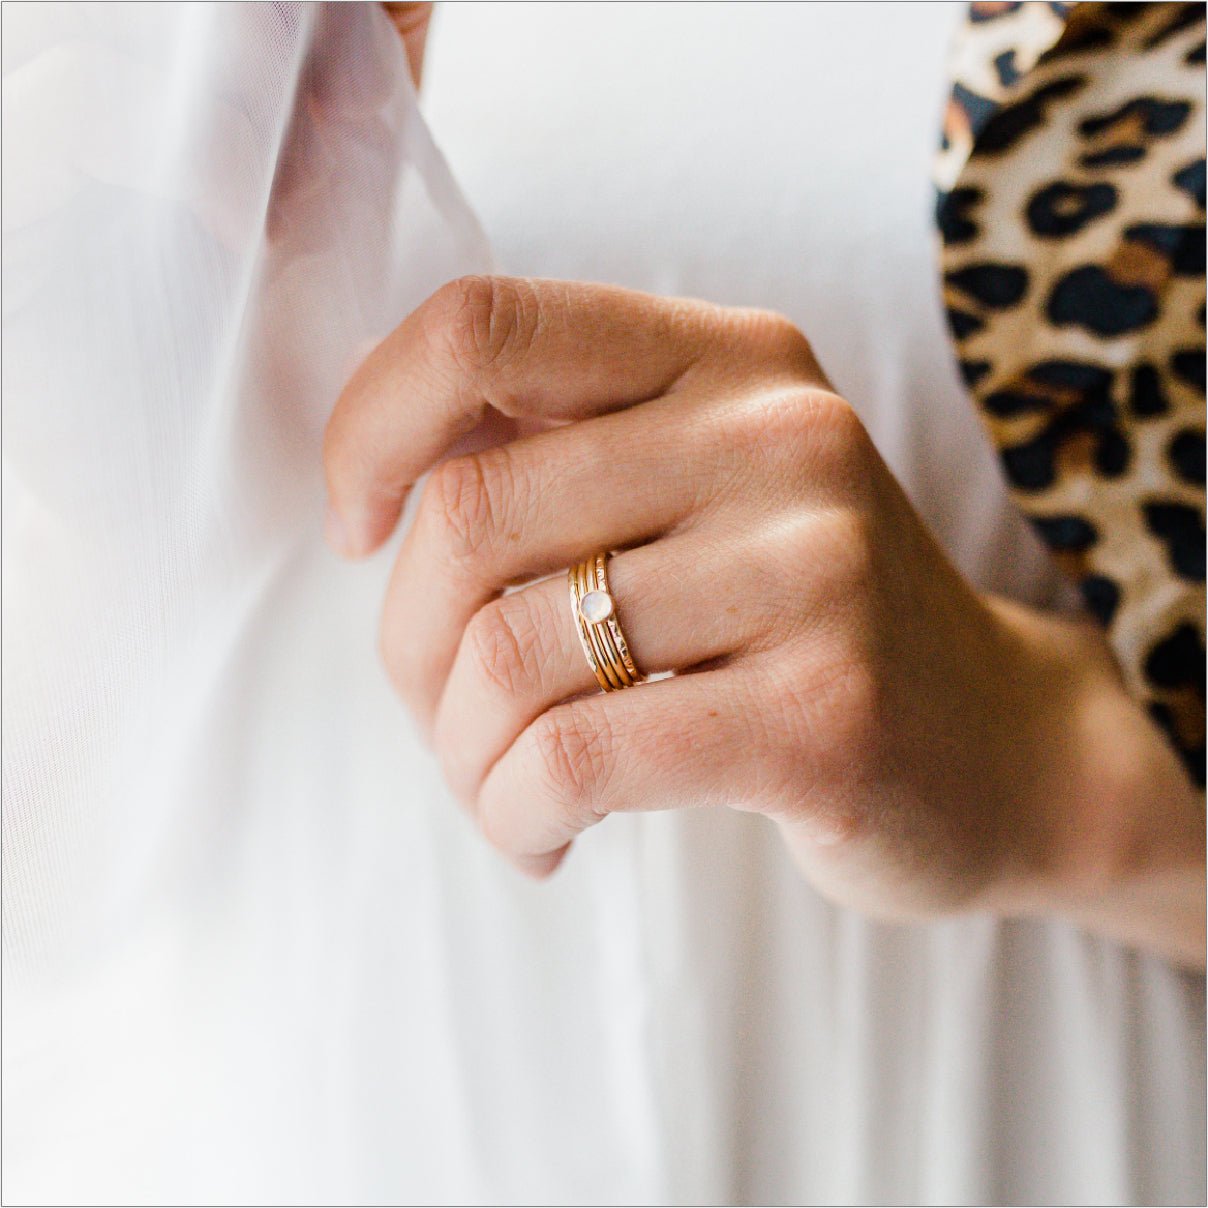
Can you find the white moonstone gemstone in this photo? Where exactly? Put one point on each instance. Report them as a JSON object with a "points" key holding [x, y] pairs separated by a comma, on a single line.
{"points": [[596, 606]]}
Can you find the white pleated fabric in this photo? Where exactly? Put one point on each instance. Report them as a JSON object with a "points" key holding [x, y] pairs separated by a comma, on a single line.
{"points": [[253, 951]]}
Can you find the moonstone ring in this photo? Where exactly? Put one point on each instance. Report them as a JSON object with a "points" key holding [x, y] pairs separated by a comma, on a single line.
{"points": [[599, 630]]}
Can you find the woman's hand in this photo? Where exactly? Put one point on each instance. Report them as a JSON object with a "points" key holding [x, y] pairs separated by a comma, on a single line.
{"points": [[923, 749]]}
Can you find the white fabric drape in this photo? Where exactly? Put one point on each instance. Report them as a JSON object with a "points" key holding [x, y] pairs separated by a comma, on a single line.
{"points": [[253, 951]]}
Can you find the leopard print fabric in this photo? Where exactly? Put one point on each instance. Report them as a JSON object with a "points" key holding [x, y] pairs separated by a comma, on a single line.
{"points": [[1071, 211]]}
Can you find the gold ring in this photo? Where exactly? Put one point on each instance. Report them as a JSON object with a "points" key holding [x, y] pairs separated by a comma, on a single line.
{"points": [[599, 629]]}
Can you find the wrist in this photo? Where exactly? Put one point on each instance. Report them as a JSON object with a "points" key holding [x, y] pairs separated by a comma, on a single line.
{"points": [[1115, 829]]}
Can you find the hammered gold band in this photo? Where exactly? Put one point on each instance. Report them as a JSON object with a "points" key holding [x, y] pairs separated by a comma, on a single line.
{"points": [[599, 630]]}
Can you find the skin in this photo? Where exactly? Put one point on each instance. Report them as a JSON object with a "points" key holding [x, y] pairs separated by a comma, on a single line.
{"points": [[923, 749], [412, 22]]}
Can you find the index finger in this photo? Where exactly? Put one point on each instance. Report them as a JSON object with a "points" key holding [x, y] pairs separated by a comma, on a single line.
{"points": [[529, 349]]}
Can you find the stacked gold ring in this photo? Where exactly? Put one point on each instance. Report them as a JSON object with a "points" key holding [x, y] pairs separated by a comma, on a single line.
{"points": [[599, 630]]}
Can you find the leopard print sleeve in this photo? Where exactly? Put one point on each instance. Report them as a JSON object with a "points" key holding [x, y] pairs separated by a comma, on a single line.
{"points": [[1071, 216]]}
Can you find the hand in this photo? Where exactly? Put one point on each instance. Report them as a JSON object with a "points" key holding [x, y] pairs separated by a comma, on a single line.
{"points": [[923, 749]]}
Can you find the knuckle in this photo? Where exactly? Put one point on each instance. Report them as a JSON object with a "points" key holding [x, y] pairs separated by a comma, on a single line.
{"points": [[489, 323], [839, 556], [836, 420], [573, 761], [843, 450], [807, 438], [786, 338], [778, 341], [776, 425], [503, 645], [462, 503], [814, 414]]}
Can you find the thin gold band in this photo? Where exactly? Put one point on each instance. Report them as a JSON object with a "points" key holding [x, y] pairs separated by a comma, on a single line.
{"points": [[597, 634], [603, 642], [609, 631], [604, 633], [593, 659], [614, 627]]}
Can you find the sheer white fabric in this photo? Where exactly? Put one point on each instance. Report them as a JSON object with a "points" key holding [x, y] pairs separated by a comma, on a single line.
{"points": [[254, 953]]}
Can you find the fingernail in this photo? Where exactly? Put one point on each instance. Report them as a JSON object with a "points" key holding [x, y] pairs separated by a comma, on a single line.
{"points": [[337, 535]]}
